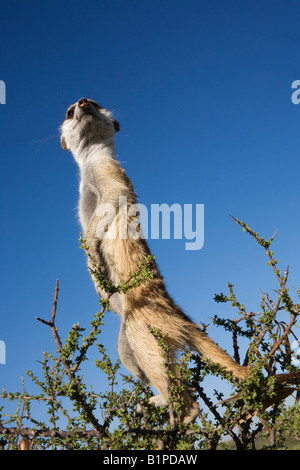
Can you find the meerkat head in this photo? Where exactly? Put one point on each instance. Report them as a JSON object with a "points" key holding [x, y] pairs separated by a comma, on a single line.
{"points": [[86, 123]]}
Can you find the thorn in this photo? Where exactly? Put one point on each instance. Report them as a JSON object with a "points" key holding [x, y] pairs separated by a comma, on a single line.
{"points": [[272, 238]]}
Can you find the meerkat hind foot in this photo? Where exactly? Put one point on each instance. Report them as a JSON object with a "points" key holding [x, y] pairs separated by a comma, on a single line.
{"points": [[157, 400], [191, 411]]}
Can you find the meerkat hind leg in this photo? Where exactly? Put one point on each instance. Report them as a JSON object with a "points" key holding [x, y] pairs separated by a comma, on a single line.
{"points": [[150, 361], [128, 357]]}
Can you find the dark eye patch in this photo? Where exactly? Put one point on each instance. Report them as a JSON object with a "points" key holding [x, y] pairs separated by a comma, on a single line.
{"points": [[70, 112]]}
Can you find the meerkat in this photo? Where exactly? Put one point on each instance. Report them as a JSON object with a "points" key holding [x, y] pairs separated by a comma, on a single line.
{"points": [[88, 131]]}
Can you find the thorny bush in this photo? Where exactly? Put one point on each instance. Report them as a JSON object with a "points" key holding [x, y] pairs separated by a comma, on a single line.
{"points": [[122, 417]]}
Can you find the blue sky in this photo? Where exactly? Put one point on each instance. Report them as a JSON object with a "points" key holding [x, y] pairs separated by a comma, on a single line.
{"points": [[202, 90]]}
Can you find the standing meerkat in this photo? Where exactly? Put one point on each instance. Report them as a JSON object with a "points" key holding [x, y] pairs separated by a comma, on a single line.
{"points": [[88, 131]]}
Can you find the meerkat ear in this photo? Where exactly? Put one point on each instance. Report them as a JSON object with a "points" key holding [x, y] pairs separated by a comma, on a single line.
{"points": [[116, 126], [63, 143]]}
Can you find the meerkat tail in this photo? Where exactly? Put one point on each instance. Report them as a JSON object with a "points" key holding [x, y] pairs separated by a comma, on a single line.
{"points": [[209, 350]]}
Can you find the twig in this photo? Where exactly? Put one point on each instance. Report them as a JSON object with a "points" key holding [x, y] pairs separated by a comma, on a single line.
{"points": [[78, 396], [56, 337], [236, 354], [89, 340], [169, 384], [28, 432]]}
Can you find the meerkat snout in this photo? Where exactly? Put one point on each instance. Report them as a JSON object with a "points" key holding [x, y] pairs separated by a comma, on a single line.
{"points": [[83, 103]]}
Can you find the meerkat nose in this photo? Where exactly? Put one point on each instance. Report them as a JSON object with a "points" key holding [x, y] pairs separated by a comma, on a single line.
{"points": [[83, 103]]}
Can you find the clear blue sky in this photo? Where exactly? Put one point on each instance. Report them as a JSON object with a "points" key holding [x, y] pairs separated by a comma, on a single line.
{"points": [[202, 90]]}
